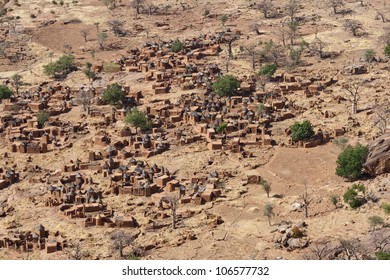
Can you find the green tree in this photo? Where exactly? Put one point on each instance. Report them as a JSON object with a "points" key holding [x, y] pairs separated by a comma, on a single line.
{"points": [[63, 66], [221, 127], [5, 92], [113, 94], [42, 117], [302, 131], [268, 70], [17, 81], [268, 212], [375, 221], [177, 46], [350, 162], [138, 119], [226, 85], [88, 71], [266, 186]]}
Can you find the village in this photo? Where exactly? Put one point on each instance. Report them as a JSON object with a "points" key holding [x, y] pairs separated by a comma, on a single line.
{"points": [[167, 146]]}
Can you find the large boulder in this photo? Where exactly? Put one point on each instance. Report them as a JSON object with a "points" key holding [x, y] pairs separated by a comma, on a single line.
{"points": [[378, 159]]}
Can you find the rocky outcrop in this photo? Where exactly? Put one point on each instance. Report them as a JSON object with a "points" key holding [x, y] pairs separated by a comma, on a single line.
{"points": [[378, 160]]}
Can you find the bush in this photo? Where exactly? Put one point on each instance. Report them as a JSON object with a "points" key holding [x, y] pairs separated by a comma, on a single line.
{"points": [[387, 49], [42, 117], [302, 131], [381, 255], [386, 208], [268, 70], [5, 92], [113, 94], [296, 232], [177, 46], [351, 196], [375, 221], [226, 85], [221, 127], [138, 120], [63, 66], [350, 162]]}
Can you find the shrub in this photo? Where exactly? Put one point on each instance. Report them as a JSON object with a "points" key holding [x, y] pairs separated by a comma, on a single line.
{"points": [[350, 162], [375, 221], [42, 117], [335, 200], [386, 207], [387, 49], [302, 131], [268, 70], [296, 232], [221, 127], [113, 94], [224, 19], [381, 255], [226, 85], [351, 196], [138, 120], [5, 92], [63, 66], [177, 46]]}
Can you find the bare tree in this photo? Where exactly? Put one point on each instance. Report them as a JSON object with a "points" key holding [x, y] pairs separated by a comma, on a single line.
{"points": [[319, 251], [76, 252], [116, 27], [353, 26], [382, 116], [265, 6], [354, 90], [137, 4], [318, 46], [253, 53], [381, 239], [305, 201], [335, 4], [229, 44], [85, 98], [292, 8], [102, 38], [120, 240], [350, 248], [270, 52], [84, 33], [172, 202]]}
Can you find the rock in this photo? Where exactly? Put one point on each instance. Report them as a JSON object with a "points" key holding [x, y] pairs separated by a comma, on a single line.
{"points": [[283, 228], [296, 206], [296, 243], [378, 159], [300, 224], [253, 210]]}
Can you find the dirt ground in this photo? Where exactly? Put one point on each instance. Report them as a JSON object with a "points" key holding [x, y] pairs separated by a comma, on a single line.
{"points": [[245, 233]]}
